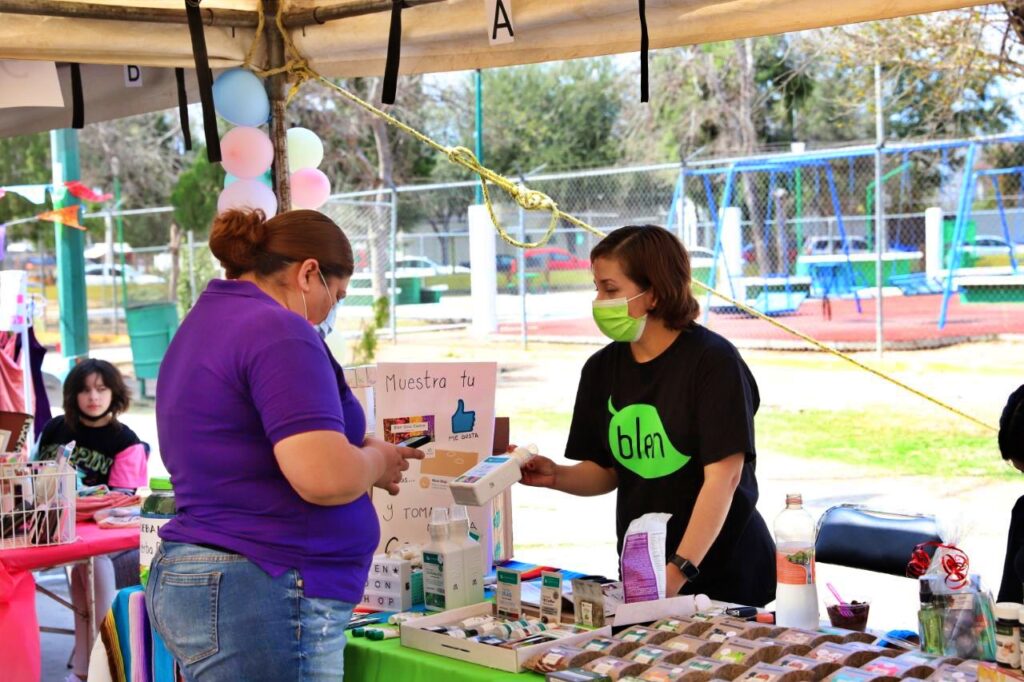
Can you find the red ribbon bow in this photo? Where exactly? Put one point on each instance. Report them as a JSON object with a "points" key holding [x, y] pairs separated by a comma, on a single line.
{"points": [[954, 563]]}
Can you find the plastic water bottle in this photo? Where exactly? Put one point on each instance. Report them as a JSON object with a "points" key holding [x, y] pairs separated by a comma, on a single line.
{"points": [[443, 569], [796, 597], [472, 556]]}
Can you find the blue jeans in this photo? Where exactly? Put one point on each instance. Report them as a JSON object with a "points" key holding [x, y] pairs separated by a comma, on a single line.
{"points": [[224, 618]]}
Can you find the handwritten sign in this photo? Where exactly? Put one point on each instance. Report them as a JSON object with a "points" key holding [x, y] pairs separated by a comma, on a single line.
{"points": [[454, 404]]}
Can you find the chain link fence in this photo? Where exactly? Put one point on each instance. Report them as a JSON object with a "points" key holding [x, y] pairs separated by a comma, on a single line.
{"points": [[792, 235]]}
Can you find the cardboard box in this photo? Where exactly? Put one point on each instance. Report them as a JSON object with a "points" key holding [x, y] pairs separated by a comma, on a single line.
{"points": [[991, 672], [510, 660]]}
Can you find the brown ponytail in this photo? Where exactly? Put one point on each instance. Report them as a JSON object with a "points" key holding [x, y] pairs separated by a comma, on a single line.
{"points": [[245, 241]]}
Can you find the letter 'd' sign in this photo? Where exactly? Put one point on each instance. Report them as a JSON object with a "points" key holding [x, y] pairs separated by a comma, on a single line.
{"points": [[132, 76]]}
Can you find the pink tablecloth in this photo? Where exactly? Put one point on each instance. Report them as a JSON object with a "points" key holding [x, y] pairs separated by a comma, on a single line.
{"points": [[19, 628]]}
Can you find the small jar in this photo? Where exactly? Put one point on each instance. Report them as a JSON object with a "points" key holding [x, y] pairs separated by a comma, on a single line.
{"points": [[1020, 633], [158, 509], [1008, 634]]}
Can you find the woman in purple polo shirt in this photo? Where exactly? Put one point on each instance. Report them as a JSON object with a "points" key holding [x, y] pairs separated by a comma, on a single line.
{"points": [[258, 573]]}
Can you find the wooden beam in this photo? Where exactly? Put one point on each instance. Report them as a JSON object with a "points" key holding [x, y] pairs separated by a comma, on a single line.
{"points": [[91, 10], [354, 8], [277, 90], [211, 17]]}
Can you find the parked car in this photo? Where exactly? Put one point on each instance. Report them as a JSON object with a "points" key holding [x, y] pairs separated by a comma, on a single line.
{"points": [[700, 253], [503, 262], [990, 245], [97, 273], [421, 266], [750, 253], [821, 246], [548, 258]]}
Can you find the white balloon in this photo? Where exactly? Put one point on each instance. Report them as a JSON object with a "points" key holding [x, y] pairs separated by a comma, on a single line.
{"points": [[248, 194]]}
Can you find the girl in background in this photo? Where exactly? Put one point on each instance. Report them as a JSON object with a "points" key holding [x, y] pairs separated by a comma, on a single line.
{"points": [[106, 453]]}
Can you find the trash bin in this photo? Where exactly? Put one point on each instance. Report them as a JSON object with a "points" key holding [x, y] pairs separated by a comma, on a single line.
{"points": [[409, 290], [151, 327]]}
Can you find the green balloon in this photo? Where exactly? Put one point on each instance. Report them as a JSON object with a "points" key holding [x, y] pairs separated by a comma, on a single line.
{"points": [[305, 150], [638, 441], [230, 179]]}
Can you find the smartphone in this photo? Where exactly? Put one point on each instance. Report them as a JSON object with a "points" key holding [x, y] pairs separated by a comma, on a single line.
{"points": [[747, 612], [415, 442]]}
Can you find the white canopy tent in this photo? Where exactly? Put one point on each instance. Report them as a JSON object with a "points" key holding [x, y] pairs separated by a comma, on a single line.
{"points": [[438, 35]]}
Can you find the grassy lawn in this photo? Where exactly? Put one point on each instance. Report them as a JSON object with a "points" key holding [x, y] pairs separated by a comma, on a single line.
{"points": [[101, 295], [885, 440], [889, 442]]}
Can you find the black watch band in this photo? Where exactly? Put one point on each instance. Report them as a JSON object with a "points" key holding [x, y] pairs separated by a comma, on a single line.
{"points": [[685, 566]]}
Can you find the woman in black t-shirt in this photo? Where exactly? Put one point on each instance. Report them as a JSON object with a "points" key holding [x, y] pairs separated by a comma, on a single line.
{"points": [[1011, 447], [664, 415]]}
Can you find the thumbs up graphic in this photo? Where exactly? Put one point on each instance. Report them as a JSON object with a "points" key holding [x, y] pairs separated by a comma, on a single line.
{"points": [[463, 420]]}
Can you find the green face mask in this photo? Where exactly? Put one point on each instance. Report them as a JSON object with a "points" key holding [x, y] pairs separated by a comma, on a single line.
{"points": [[615, 322]]}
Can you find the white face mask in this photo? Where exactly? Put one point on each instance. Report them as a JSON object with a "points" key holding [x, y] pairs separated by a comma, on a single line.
{"points": [[327, 326]]}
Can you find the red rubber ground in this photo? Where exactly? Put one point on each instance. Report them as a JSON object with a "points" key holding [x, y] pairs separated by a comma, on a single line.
{"points": [[910, 321]]}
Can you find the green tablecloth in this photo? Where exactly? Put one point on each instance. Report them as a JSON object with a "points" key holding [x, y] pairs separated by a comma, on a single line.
{"points": [[389, 661]]}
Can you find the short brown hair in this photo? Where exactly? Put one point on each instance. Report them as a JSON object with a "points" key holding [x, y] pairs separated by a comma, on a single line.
{"points": [[246, 241], [74, 383], [652, 257]]}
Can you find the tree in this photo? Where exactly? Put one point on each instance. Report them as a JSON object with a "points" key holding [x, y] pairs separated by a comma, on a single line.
{"points": [[24, 160], [361, 152], [149, 161], [941, 71], [194, 199], [194, 195], [563, 115]]}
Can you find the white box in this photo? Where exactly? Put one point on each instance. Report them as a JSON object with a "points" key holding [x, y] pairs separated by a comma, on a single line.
{"points": [[510, 660], [392, 585]]}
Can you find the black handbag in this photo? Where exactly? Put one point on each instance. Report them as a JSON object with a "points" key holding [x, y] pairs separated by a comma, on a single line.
{"points": [[857, 537]]}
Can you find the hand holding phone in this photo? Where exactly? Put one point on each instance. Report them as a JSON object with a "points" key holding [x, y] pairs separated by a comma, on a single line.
{"points": [[415, 441]]}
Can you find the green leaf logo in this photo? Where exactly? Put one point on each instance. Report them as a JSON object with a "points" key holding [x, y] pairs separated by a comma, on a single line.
{"points": [[638, 440]]}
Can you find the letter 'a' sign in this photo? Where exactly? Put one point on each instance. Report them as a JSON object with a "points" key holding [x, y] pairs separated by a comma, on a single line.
{"points": [[499, 22]]}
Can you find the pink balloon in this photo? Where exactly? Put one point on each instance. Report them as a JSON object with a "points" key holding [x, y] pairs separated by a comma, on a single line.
{"points": [[310, 188], [248, 194], [246, 152]]}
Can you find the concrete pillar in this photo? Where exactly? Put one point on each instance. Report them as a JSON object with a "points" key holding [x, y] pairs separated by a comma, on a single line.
{"points": [[732, 240], [933, 237]]}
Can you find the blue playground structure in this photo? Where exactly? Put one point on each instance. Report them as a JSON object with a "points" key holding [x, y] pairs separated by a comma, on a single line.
{"points": [[815, 178]]}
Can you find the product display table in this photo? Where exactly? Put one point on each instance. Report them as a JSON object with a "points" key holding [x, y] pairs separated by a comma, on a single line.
{"points": [[19, 627], [386, 661]]}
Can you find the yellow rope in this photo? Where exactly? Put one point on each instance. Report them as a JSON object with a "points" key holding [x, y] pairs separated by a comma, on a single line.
{"points": [[534, 200]]}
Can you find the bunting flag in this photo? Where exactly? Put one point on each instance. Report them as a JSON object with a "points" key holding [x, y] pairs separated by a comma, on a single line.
{"points": [[78, 188], [37, 193], [34, 193], [67, 216]]}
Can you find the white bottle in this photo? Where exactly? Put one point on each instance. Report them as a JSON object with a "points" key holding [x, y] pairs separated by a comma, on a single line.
{"points": [[443, 581], [472, 556], [482, 483], [796, 597]]}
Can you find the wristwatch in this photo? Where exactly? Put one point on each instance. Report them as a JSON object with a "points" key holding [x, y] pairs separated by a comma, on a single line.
{"points": [[686, 567]]}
